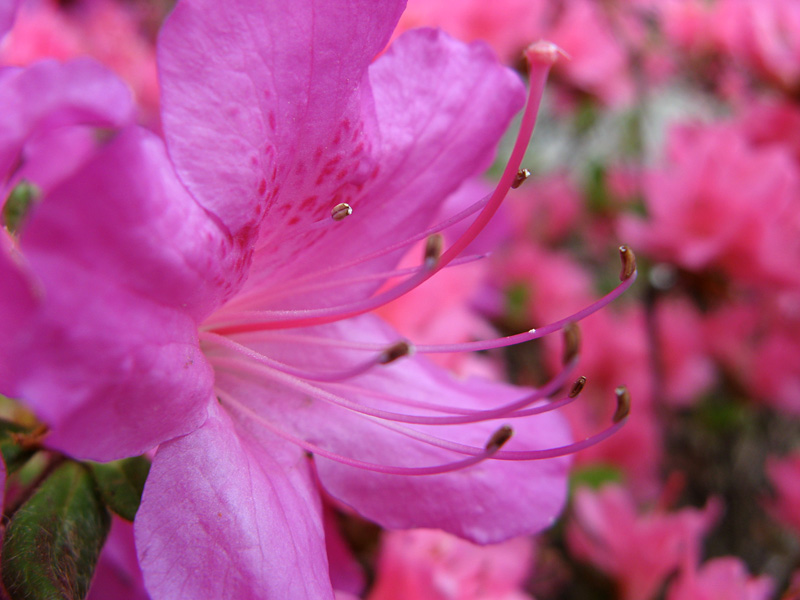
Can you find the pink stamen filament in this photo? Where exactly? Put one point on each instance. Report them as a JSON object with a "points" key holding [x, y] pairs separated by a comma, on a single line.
{"points": [[259, 371], [485, 454], [508, 410], [288, 369], [261, 294], [533, 334]]}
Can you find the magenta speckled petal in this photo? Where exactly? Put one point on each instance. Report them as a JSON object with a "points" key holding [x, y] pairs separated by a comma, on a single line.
{"points": [[247, 84]]}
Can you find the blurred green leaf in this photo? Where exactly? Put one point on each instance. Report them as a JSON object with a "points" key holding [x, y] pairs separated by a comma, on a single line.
{"points": [[18, 204], [595, 476], [121, 483], [52, 543]]}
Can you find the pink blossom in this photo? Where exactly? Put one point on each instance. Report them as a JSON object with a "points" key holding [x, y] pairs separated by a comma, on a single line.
{"points": [[638, 550], [589, 34], [755, 338], [221, 310], [432, 565], [783, 474], [720, 579], [764, 36], [699, 217]]}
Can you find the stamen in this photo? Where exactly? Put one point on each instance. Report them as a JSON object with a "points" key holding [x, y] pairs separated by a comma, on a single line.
{"points": [[628, 263], [572, 342], [352, 462], [341, 211], [522, 176], [330, 376], [262, 369], [433, 250], [577, 387], [532, 334], [623, 404], [498, 439], [395, 351], [512, 409], [504, 454], [258, 295]]}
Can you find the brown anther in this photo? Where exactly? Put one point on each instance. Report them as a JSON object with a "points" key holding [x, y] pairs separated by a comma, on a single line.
{"points": [[499, 439], [628, 263], [433, 249], [395, 351], [577, 387], [623, 404], [544, 52], [572, 342], [522, 175], [341, 211]]}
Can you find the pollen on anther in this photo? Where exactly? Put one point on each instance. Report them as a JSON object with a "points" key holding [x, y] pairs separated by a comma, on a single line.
{"points": [[522, 175], [433, 250], [577, 387], [341, 211], [628, 263], [499, 439], [396, 351], [623, 404]]}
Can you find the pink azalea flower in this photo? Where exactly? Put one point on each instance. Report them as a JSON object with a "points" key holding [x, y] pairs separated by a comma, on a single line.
{"points": [[638, 550], [223, 314], [701, 218], [723, 578], [427, 564], [783, 474]]}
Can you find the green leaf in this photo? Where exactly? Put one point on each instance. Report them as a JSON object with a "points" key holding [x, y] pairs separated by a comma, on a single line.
{"points": [[17, 444], [595, 476], [52, 543], [18, 204], [121, 484]]}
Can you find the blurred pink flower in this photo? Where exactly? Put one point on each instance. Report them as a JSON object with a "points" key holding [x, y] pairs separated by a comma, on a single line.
{"points": [[639, 551], [784, 474], [699, 217], [755, 337], [764, 36], [432, 565], [595, 36], [107, 30], [723, 578]]}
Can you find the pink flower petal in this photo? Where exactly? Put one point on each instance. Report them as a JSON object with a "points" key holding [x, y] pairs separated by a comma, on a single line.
{"points": [[49, 94], [8, 11], [245, 80], [231, 514], [123, 258]]}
